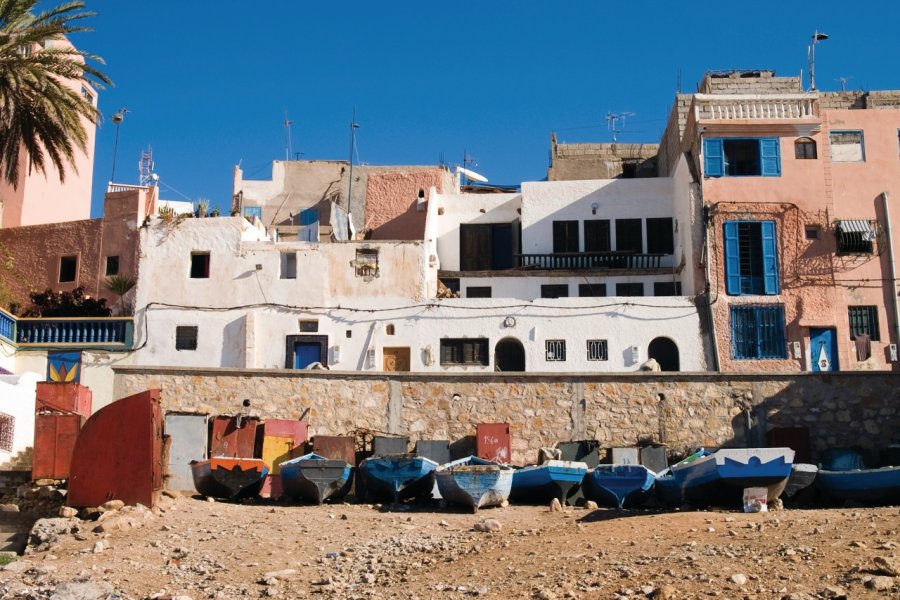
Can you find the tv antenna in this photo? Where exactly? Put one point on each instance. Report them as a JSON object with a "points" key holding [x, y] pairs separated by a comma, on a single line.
{"points": [[146, 176], [465, 172], [843, 81], [615, 122], [287, 130]]}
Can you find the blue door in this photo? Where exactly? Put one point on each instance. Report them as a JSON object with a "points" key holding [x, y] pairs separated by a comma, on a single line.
{"points": [[309, 225], [305, 354], [823, 350]]}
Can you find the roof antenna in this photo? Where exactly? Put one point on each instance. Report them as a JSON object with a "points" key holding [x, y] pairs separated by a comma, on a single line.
{"points": [[843, 81], [287, 129], [613, 122], [811, 57]]}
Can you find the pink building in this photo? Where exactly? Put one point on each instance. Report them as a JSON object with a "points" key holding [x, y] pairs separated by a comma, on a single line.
{"points": [[42, 197], [796, 191]]}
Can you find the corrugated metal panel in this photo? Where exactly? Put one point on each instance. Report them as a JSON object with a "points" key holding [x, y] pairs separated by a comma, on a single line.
{"points": [[436, 450], [227, 439], [283, 440], [855, 226], [118, 455], [383, 444], [493, 442], [335, 447], [64, 397], [54, 443], [189, 435]]}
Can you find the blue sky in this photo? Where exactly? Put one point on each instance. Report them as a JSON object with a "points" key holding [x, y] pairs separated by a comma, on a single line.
{"points": [[208, 83]]}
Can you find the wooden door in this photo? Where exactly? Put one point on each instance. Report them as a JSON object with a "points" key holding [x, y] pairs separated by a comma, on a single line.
{"points": [[396, 359]]}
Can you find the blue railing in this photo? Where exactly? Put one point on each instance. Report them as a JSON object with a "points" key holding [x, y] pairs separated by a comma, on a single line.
{"points": [[7, 326], [103, 332]]}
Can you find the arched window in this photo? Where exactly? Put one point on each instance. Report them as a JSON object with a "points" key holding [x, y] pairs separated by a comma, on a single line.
{"points": [[805, 148], [509, 355], [665, 352]]}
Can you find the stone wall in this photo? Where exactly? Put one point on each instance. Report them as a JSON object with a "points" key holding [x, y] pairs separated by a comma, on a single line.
{"points": [[749, 82], [570, 162], [682, 410]]}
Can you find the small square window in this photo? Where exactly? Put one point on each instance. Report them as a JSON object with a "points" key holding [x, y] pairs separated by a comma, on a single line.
{"points": [[186, 337], [68, 269], [87, 95], [597, 350], [348, 333], [805, 149], [847, 146], [480, 291], [199, 265], [666, 288], [864, 321], [289, 265], [252, 211], [629, 289], [591, 290], [389, 329], [556, 350], [555, 291], [812, 232], [310, 326], [366, 263], [112, 265]]}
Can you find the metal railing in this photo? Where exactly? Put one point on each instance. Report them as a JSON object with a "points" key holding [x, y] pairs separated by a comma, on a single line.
{"points": [[93, 332], [729, 107], [124, 187], [590, 260], [7, 326]]}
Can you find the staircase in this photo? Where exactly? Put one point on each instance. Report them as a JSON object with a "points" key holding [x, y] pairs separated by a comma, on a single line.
{"points": [[19, 462], [14, 526]]}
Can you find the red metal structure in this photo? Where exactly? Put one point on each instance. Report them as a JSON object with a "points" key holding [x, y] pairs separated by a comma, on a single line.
{"points": [[54, 442], [63, 397], [282, 440], [493, 442], [118, 455], [335, 448], [233, 436]]}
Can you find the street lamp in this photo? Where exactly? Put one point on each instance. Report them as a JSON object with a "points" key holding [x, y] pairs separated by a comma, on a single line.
{"points": [[117, 118], [811, 58]]}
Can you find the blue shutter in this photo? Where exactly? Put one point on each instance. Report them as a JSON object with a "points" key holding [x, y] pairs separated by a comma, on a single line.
{"points": [[770, 157], [770, 258], [732, 260], [713, 157]]}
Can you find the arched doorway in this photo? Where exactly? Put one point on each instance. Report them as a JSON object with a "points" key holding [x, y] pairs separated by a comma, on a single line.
{"points": [[665, 352], [509, 355]]}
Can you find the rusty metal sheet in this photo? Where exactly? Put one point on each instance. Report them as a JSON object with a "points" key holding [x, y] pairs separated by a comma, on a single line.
{"points": [[335, 447], [383, 444], [436, 450], [296, 430], [493, 442], [282, 440], [189, 438], [118, 455], [54, 442], [233, 436], [63, 397]]}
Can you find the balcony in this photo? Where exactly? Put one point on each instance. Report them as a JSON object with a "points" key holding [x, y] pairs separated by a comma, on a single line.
{"points": [[591, 261], [792, 113], [111, 333]]}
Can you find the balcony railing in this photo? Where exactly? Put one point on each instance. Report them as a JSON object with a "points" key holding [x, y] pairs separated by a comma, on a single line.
{"points": [[590, 260], [112, 332], [727, 107], [124, 187], [7, 326]]}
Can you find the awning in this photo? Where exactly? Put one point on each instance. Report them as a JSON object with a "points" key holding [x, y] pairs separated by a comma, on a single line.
{"points": [[855, 226]]}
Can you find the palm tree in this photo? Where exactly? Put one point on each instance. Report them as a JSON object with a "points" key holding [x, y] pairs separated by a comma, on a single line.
{"points": [[40, 114], [120, 285]]}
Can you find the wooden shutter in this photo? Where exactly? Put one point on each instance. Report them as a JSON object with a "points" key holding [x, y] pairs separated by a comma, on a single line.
{"points": [[713, 157], [596, 235], [732, 259], [770, 157], [474, 247], [770, 258]]}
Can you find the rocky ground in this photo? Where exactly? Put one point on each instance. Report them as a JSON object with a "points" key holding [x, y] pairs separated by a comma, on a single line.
{"points": [[191, 548]]}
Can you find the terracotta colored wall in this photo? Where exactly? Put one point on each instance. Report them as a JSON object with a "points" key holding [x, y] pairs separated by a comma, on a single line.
{"points": [[391, 202]]}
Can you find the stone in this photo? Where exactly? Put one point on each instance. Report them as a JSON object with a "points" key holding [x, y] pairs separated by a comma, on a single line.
{"points": [[880, 583], [739, 579], [100, 546], [488, 526], [112, 505], [591, 505], [556, 505], [664, 592], [368, 578], [89, 590], [282, 574], [67, 512], [886, 566], [9, 508]]}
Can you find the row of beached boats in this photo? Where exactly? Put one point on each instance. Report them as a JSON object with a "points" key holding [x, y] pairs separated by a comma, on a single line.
{"points": [[704, 478]]}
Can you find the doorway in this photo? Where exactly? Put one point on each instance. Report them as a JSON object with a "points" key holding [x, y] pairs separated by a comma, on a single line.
{"points": [[304, 350], [823, 350], [509, 355], [665, 352], [395, 359]]}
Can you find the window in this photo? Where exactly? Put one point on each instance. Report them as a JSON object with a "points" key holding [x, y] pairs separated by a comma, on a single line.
{"points": [[565, 236], [864, 320], [591, 290], [452, 286], [854, 237], [556, 350], [478, 291], [112, 265], [288, 265], [366, 263], [596, 235], [751, 265], [597, 350], [758, 332], [629, 289], [666, 288], [629, 237], [309, 326], [186, 337], [847, 146], [199, 265], [805, 148], [811, 232], [486, 246], [68, 269], [555, 291], [660, 236], [389, 329], [252, 211], [464, 351], [741, 157], [87, 95], [629, 169]]}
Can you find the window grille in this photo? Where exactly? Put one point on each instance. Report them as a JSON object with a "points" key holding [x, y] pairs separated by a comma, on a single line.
{"points": [[366, 263], [758, 332], [464, 351], [597, 350], [556, 350], [7, 432], [186, 337], [864, 320]]}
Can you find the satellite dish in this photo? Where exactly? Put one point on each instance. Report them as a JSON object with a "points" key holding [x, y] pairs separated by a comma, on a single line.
{"points": [[471, 174]]}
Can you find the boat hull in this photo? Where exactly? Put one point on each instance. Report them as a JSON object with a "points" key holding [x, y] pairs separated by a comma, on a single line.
{"points": [[720, 478], [316, 479], [229, 478], [867, 486], [398, 477], [474, 483], [618, 486], [802, 476], [542, 483]]}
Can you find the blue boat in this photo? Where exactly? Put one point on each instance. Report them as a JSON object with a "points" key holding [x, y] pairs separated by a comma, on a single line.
{"points": [[538, 484], [719, 478], [314, 478], [844, 477], [474, 482], [668, 488], [618, 485], [395, 477]]}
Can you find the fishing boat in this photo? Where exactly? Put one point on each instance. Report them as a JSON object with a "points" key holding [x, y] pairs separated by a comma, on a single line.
{"points": [[668, 488], [314, 478], [537, 484], [719, 478], [229, 478], [396, 477], [844, 476], [618, 485], [802, 476], [474, 482]]}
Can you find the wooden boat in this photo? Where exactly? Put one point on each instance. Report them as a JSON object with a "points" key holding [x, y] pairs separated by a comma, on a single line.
{"points": [[668, 488], [802, 476], [229, 478], [537, 484], [396, 477], [474, 482], [844, 477], [618, 485], [314, 478], [719, 478]]}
